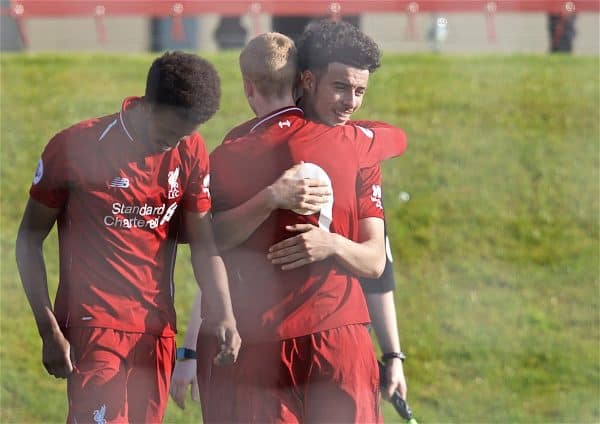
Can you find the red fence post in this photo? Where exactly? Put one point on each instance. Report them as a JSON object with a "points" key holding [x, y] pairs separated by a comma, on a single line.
{"points": [[412, 9], [255, 9], [335, 10], [490, 11], [17, 12], [177, 32], [99, 13]]}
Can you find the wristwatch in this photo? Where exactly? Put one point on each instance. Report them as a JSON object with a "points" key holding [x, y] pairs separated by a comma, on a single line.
{"points": [[391, 355], [184, 353]]}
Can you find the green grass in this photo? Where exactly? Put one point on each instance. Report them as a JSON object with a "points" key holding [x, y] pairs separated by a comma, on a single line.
{"points": [[497, 251]]}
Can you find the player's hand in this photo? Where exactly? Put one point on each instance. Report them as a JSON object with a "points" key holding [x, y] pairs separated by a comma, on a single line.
{"points": [[291, 192], [312, 244], [57, 354], [229, 342], [184, 375], [395, 379]]}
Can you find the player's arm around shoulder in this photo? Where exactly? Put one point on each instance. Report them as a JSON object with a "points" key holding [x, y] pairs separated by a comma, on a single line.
{"points": [[234, 225]]}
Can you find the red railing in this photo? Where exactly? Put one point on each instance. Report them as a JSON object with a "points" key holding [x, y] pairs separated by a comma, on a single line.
{"points": [[39, 8], [22, 9]]}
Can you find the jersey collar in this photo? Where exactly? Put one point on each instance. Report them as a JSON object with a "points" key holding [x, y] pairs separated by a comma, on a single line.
{"points": [[127, 103], [265, 120]]}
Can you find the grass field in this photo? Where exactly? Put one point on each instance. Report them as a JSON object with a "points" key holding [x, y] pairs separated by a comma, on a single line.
{"points": [[496, 252]]}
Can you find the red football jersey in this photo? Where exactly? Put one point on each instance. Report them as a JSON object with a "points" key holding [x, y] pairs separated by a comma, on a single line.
{"points": [[368, 176], [116, 235], [274, 304]]}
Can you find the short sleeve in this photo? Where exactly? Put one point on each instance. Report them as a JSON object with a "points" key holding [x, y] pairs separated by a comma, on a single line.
{"points": [[386, 282], [50, 181], [197, 196], [378, 143], [368, 189]]}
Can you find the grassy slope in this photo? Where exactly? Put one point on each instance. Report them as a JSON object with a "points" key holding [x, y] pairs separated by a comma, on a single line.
{"points": [[496, 252]]}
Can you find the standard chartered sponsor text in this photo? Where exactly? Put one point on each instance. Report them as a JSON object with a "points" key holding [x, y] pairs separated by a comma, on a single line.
{"points": [[136, 216], [144, 210]]}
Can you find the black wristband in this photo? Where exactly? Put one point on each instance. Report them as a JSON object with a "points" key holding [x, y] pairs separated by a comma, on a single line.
{"points": [[391, 355], [184, 353]]}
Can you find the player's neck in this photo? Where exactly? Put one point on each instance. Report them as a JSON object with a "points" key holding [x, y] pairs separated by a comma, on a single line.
{"points": [[309, 111], [135, 119], [266, 106]]}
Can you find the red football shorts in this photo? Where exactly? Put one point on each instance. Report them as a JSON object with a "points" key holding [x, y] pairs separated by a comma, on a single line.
{"points": [[326, 377], [118, 377]]}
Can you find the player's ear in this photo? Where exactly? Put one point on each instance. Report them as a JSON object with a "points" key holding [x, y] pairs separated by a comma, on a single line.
{"points": [[297, 90], [309, 80], [248, 87]]}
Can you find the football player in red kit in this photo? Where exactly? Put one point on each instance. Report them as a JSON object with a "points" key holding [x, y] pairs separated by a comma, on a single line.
{"points": [[114, 185], [307, 354], [335, 59]]}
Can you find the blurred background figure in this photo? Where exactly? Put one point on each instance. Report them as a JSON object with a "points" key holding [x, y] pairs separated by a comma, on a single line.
{"points": [[561, 27], [165, 36], [9, 32], [230, 33], [438, 32]]}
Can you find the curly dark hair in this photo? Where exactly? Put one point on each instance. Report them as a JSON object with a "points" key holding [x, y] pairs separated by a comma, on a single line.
{"points": [[326, 41], [185, 82]]}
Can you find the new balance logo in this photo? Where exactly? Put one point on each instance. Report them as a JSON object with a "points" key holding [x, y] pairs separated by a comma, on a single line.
{"points": [[119, 182], [285, 123]]}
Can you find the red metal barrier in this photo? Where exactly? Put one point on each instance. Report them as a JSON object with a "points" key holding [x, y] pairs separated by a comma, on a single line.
{"points": [[99, 9], [38, 8]]}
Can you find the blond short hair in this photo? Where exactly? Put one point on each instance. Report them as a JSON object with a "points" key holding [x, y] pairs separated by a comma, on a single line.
{"points": [[270, 61]]}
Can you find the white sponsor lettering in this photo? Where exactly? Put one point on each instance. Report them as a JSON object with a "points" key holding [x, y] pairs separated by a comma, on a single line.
{"points": [[136, 216], [144, 210], [115, 222]]}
